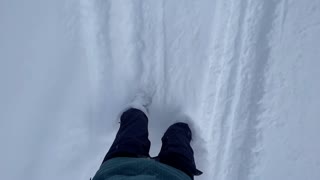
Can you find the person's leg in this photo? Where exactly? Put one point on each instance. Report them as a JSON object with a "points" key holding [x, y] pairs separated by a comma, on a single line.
{"points": [[176, 150], [132, 137]]}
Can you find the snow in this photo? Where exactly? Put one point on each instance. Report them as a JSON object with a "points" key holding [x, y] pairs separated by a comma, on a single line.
{"points": [[246, 72]]}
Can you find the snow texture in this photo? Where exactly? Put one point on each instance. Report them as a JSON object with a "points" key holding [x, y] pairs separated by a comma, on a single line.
{"points": [[245, 72]]}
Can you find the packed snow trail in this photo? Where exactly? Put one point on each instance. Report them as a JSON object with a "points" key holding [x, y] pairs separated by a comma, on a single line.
{"points": [[226, 49], [246, 72]]}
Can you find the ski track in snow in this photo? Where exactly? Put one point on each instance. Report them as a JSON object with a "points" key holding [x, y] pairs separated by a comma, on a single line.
{"points": [[159, 60], [229, 50]]}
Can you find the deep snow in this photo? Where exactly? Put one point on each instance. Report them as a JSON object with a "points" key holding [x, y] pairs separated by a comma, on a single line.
{"points": [[246, 72]]}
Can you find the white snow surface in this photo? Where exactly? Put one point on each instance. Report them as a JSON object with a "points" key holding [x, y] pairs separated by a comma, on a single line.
{"points": [[246, 72]]}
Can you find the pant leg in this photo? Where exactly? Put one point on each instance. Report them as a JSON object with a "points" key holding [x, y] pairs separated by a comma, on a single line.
{"points": [[176, 150], [132, 137]]}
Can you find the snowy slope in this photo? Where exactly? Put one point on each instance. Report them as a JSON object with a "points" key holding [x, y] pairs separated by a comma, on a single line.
{"points": [[246, 72]]}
